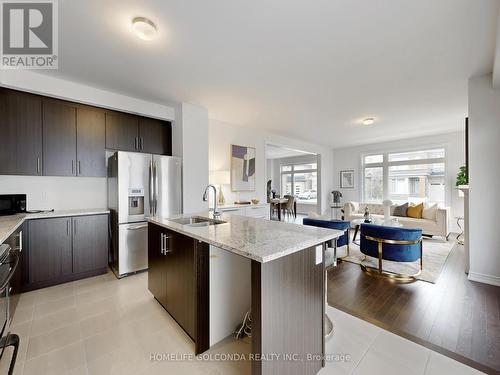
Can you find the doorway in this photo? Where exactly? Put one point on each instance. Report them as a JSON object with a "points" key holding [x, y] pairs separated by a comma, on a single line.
{"points": [[296, 173]]}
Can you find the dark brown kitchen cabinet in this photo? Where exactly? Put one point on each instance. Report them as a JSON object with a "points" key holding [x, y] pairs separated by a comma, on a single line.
{"points": [[157, 276], [90, 243], [171, 274], [58, 250], [155, 136], [178, 278], [50, 253], [180, 270], [90, 143], [122, 132], [59, 139], [21, 133]]}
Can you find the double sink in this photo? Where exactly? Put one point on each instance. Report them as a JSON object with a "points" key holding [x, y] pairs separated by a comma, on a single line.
{"points": [[197, 221]]}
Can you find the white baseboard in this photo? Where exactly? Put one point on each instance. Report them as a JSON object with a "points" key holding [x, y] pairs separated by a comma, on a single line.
{"points": [[485, 279]]}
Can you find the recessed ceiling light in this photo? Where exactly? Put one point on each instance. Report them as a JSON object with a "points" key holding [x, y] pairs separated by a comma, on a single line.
{"points": [[368, 121], [144, 28]]}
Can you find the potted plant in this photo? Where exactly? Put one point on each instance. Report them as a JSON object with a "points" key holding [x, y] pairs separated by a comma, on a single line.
{"points": [[462, 176]]}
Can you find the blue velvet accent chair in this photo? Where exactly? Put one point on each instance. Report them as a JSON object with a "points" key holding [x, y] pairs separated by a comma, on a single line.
{"points": [[342, 225], [396, 244]]}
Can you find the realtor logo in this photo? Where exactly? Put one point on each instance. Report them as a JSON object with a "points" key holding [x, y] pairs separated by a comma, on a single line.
{"points": [[29, 34]]}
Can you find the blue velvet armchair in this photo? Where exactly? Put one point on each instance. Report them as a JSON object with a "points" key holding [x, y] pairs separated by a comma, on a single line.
{"points": [[333, 224], [395, 244]]}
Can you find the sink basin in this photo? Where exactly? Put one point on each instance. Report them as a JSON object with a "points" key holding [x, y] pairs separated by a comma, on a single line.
{"points": [[197, 221]]}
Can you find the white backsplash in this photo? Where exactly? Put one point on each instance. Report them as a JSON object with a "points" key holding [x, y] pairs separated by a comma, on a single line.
{"points": [[59, 193]]}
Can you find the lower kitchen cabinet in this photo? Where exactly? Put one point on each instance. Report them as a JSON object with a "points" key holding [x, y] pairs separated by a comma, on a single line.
{"points": [[66, 249], [90, 243], [157, 277], [178, 272], [50, 255]]}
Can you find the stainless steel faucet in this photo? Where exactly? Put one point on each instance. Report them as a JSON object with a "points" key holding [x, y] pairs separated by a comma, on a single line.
{"points": [[216, 211]]}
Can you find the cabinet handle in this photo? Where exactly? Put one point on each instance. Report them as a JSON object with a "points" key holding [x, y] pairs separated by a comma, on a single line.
{"points": [[20, 243], [67, 227], [167, 250], [161, 244], [142, 143], [72, 167], [38, 165], [135, 143], [79, 167]]}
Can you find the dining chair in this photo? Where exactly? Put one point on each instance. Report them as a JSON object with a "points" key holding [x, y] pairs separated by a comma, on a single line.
{"points": [[289, 206]]}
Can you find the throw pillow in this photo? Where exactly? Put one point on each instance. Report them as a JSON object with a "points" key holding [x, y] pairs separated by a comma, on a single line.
{"points": [[430, 212], [415, 211], [401, 210]]}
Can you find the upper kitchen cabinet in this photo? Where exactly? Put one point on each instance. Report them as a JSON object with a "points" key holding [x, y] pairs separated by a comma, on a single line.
{"points": [[155, 136], [90, 142], [140, 134], [21, 132], [122, 132], [59, 139]]}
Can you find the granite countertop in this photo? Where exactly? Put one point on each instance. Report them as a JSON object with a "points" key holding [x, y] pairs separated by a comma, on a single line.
{"points": [[234, 205], [9, 224], [258, 239]]}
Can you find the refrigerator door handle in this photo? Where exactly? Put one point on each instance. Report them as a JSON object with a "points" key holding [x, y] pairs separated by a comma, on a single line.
{"points": [[155, 196], [151, 193]]}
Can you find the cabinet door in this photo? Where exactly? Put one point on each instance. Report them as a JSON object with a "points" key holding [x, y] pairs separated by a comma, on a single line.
{"points": [[122, 132], [181, 280], [49, 249], [90, 143], [90, 243], [155, 136], [21, 130], [59, 139], [157, 276]]}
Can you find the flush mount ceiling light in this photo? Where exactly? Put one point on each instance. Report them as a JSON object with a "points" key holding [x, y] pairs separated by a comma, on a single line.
{"points": [[368, 121], [144, 28]]}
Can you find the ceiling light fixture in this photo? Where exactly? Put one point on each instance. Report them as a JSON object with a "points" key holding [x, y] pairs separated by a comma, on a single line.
{"points": [[144, 28], [368, 121]]}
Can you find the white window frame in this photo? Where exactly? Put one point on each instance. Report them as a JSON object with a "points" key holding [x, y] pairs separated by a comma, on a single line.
{"points": [[292, 175], [386, 164]]}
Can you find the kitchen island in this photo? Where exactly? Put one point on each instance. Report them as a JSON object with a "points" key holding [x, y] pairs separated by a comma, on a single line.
{"points": [[287, 283]]}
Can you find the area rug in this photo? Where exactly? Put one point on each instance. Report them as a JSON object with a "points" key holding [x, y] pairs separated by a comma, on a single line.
{"points": [[435, 252]]}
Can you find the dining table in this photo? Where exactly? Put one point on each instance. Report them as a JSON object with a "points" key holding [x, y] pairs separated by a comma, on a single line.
{"points": [[279, 202]]}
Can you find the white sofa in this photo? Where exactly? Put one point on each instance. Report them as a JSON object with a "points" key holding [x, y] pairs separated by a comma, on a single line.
{"points": [[436, 227]]}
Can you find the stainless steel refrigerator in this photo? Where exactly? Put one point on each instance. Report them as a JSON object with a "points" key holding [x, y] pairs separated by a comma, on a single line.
{"points": [[139, 186]]}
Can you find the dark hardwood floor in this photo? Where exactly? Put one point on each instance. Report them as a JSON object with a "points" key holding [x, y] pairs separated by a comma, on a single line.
{"points": [[456, 317]]}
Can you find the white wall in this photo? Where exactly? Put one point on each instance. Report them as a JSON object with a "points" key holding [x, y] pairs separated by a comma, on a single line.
{"points": [[454, 143], [59, 193], [222, 135], [484, 180], [191, 143], [71, 192]]}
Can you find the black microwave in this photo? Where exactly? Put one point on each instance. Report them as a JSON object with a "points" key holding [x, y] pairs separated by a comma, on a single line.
{"points": [[11, 204]]}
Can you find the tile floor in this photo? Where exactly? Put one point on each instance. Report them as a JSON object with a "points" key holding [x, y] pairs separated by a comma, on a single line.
{"points": [[107, 326]]}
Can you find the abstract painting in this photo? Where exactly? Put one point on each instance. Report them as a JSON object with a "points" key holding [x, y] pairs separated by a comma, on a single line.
{"points": [[242, 168]]}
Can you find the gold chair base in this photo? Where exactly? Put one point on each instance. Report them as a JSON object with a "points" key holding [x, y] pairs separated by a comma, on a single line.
{"points": [[395, 277]]}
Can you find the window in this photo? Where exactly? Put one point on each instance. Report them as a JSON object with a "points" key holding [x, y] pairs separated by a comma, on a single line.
{"points": [[302, 180], [413, 176], [374, 184], [370, 159]]}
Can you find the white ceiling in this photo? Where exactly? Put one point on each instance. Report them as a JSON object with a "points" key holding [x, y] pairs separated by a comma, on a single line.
{"points": [[278, 152], [306, 69]]}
